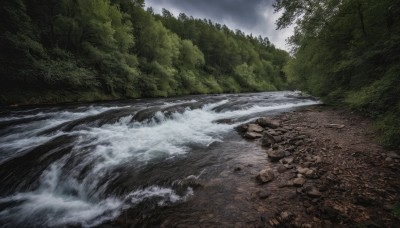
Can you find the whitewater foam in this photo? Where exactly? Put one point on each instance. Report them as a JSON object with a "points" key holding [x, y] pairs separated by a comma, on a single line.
{"points": [[78, 194]]}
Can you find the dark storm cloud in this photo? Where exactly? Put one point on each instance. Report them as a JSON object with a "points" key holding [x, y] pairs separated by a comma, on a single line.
{"points": [[250, 16]]}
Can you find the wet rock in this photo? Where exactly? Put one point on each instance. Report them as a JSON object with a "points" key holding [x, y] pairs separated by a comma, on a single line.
{"points": [[275, 155], [265, 176], [268, 139], [145, 114], [224, 121], [255, 128], [242, 128], [299, 181], [252, 135], [191, 181], [267, 122]]}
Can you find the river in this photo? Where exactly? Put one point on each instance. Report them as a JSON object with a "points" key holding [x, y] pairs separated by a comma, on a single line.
{"points": [[85, 165]]}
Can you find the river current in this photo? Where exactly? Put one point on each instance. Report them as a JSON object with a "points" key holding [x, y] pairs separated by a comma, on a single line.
{"points": [[84, 165]]}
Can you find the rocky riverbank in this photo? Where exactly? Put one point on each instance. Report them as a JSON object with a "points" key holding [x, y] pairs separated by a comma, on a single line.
{"points": [[339, 175], [313, 167]]}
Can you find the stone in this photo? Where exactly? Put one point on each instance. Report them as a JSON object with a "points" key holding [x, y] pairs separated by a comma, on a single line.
{"points": [[298, 143], [278, 138], [364, 201], [285, 216], [272, 132], [252, 135], [281, 169], [291, 148], [275, 155], [266, 175], [255, 128], [393, 155], [313, 192], [267, 122], [310, 173], [288, 166], [336, 126], [299, 181], [317, 159], [302, 170], [263, 194], [237, 169], [268, 139], [287, 160], [242, 128]]}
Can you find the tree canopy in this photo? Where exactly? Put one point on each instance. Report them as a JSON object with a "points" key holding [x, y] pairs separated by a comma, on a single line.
{"points": [[83, 50]]}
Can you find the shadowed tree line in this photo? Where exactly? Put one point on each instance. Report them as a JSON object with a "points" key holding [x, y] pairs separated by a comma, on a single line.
{"points": [[84, 50], [348, 52]]}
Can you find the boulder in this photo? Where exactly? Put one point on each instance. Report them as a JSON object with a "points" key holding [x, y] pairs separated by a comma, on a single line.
{"points": [[275, 155], [268, 139], [267, 122], [252, 135], [265, 175], [242, 128], [255, 128]]}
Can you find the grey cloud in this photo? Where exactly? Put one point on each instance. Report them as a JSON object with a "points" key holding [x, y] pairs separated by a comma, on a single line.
{"points": [[250, 16]]}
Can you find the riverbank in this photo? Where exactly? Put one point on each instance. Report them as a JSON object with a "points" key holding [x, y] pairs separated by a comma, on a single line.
{"points": [[339, 173], [325, 168]]}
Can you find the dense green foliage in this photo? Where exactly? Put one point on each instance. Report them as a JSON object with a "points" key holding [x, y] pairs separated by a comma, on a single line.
{"points": [[82, 50], [348, 52]]}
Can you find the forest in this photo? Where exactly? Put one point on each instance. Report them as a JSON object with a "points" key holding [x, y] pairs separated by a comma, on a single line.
{"points": [[58, 51], [348, 53]]}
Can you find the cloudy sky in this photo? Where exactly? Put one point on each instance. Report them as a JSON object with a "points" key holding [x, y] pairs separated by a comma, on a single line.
{"points": [[250, 16]]}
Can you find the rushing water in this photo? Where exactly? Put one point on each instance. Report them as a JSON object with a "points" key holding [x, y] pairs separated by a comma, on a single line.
{"points": [[84, 165]]}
